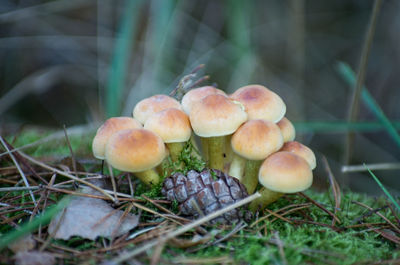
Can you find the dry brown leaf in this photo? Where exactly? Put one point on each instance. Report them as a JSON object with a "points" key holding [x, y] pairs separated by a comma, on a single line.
{"points": [[34, 258], [90, 218]]}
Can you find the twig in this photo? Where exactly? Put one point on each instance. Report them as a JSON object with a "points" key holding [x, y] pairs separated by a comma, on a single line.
{"points": [[353, 113], [280, 247], [297, 207], [19, 169], [114, 185], [320, 206], [51, 236], [70, 149], [7, 189], [378, 166], [335, 187], [379, 214], [278, 215], [43, 165], [157, 205], [185, 228], [16, 207]]}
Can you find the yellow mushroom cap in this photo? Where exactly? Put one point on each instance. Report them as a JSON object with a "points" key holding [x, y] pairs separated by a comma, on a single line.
{"points": [[285, 172], [216, 115], [260, 103], [172, 125], [135, 150], [197, 94], [257, 139], [111, 126], [287, 129], [148, 106], [302, 151]]}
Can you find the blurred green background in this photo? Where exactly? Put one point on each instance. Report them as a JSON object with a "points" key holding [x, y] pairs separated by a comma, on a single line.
{"points": [[76, 62]]}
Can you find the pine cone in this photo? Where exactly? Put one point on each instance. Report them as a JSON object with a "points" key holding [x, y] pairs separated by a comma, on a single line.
{"points": [[198, 193]]}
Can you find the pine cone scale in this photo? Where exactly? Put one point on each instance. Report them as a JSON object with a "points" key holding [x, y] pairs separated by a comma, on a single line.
{"points": [[198, 194]]}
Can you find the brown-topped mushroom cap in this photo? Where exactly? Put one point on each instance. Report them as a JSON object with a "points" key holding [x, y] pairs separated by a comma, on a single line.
{"points": [[135, 150], [285, 172], [216, 115], [287, 129], [148, 106], [257, 139], [197, 94], [110, 127], [301, 150], [260, 103], [172, 125]]}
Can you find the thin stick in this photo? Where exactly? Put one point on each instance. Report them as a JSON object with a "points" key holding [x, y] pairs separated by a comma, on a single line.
{"points": [[321, 207], [70, 150], [279, 243], [43, 165], [185, 228], [114, 185], [51, 236], [379, 214], [19, 169], [353, 113], [335, 188], [377, 166], [7, 189]]}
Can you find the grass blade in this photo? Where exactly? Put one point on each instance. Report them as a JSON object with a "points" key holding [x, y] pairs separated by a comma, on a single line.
{"points": [[383, 188], [121, 56], [32, 226], [340, 126], [349, 76]]}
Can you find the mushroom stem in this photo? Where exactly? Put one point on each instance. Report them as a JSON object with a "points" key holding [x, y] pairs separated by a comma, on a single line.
{"points": [[149, 177], [204, 148], [267, 197], [237, 167], [195, 149], [229, 154], [250, 178], [175, 150], [216, 149]]}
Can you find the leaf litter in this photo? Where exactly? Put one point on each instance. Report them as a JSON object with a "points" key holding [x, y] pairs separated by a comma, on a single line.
{"points": [[91, 218]]}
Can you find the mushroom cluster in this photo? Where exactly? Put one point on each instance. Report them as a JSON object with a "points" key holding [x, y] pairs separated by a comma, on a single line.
{"points": [[244, 134]]}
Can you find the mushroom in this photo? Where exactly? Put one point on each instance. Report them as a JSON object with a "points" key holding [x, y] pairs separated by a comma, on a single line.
{"points": [[148, 106], [138, 151], [254, 141], [260, 103], [302, 151], [111, 126], [173, 126], [282, 172], [287, 129], [213, 118], [195, 95]]}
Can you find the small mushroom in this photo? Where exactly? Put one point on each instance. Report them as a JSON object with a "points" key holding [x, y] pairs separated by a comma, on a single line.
{"points": [[111, 126], [254, 141], [260, 103], [282, 172], [148, 106], [197, 94], [302, 151], [138, 151], [287, 129], [214, 118], [173, 126]]}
